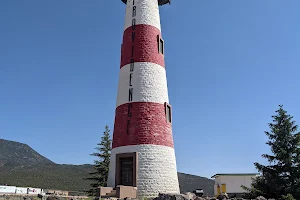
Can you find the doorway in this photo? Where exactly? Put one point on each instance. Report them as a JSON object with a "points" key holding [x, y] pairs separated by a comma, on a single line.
{"points": [[126, 171], [126, 165]]}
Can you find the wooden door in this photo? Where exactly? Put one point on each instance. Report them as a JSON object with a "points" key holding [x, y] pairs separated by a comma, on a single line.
{"points": [[126, 165]]}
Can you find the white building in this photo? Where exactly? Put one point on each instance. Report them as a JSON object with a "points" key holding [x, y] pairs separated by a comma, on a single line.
{"points": [[21, 190], [231, 183], [7, 189]]}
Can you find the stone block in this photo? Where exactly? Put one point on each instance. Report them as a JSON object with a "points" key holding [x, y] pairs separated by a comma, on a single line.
{"points": [[102, 191], [163, 196], [126, 192]]}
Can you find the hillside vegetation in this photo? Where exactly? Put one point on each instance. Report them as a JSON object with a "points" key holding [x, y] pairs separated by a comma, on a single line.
{"points": [[20, 165]]}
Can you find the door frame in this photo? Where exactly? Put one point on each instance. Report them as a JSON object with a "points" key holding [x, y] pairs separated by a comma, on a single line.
{"points": [[118, 167]]}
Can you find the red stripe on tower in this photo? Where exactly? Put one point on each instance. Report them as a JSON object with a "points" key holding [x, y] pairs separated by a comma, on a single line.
{"points": [[141, 45], [145, 123]]}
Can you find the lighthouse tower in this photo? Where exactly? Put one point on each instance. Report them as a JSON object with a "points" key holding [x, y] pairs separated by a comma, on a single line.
{"points": [[143, 153]]}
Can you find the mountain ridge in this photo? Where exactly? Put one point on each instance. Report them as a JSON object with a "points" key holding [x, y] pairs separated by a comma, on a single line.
{"points": [[19, 153], [22, 166]]}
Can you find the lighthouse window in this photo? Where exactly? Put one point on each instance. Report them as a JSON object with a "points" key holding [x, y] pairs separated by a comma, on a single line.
{"points": [[130, 78], [129, 107], [168, 113], [133, 23], [133, 11], [132, 36], [128, 124], [132, 51], [160, 44], [131, 66], [130, 94]]}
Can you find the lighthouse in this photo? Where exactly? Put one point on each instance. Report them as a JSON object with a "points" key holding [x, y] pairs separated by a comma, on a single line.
{"points": [[143, 153]]}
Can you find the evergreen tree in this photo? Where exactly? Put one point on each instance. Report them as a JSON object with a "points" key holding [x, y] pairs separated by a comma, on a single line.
{"points": [[101, 164], [280, 178]]}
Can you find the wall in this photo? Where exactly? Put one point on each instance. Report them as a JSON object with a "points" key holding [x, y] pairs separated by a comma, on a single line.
{"points": [[233, 183], [156, 169], [34, 191], [56, 192], [7, 189], [20, 190]]}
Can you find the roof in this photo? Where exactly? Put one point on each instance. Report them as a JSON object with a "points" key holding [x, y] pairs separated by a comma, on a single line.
{"points": [[240, 174]]}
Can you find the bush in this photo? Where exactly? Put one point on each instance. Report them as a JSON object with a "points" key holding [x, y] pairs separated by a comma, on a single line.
{"points": [[288, 197]]}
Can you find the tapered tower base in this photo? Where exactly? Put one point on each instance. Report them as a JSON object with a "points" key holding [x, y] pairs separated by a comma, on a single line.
{"points": [[155, 169]]}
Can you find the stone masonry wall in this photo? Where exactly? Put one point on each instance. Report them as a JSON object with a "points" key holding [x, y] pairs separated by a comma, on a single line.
{"points": [[148, 125], [149, 83], [156, 169]]}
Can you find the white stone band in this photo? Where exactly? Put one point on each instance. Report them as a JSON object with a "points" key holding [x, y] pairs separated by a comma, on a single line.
{"points": [[147, 12], [157, 170], [149, 84]]}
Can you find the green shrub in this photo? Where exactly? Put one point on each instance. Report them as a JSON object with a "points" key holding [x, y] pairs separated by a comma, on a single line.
{"points": [[288, 197]]}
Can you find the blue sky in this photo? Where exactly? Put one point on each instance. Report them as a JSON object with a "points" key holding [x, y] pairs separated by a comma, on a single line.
{"points": [[229, 65]]}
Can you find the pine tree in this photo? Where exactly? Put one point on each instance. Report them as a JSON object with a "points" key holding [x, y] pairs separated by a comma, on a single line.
{"points": [[101, 164], [281, 176]]}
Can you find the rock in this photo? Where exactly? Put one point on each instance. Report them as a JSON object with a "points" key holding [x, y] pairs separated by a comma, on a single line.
{"points": [[52, 198], [261, 198], [199, 198], [190, 195], [222, 197], [162, 196], [128, 198]]}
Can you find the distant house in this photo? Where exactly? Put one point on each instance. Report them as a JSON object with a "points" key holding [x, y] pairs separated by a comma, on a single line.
{"points": [[231, 183]]}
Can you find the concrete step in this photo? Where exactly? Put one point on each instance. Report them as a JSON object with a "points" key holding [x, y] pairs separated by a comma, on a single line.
{"points": [[113, 193]]}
